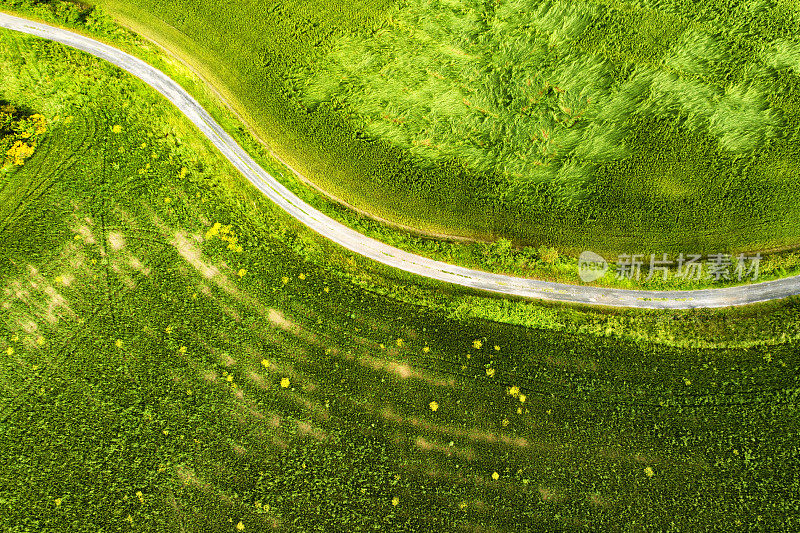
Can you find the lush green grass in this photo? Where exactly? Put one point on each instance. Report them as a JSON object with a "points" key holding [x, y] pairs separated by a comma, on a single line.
{"points": [[142, 375], [542, 262], [684, 142], [634, 128]]}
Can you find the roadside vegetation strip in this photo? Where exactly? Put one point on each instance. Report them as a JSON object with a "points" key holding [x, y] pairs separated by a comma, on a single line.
{"points": [[374, 249]]}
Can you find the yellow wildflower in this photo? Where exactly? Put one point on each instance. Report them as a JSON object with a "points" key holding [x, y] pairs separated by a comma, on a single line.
{"points": [[477, 344], [241, 272], [399, 342], [426, 349], [19, 152], [265, 362], [240, 526], [302, 276], [649, 472], [285, 383], [285, 280], [167, 200], [496, 348], [522, 398], [434, 406], [40, 123], [118, 343], [10, 350], [687, 381], [213, 230], [182, 349], [395, 501], [117, 128], [58, 502], [490, 372], [514, 391], [326, 289], [495, 476]]}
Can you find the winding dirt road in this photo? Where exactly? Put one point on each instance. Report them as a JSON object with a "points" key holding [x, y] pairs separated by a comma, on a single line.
{"points": [[376, 250]]}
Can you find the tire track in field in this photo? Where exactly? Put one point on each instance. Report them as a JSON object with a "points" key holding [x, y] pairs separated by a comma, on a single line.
{"points": [[48, 169], [73, 341], [378, 251]]}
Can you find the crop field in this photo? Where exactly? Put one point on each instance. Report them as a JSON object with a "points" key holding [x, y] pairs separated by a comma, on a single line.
{"points": [[615, 126], [169, 362], [591, 109]]}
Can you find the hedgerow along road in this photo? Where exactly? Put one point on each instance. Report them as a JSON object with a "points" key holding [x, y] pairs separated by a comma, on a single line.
{"points": [[376, 250]]}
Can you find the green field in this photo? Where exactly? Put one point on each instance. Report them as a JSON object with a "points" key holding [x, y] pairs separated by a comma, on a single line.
{"points": [[615, 126], [171, 359], [537, 261]]}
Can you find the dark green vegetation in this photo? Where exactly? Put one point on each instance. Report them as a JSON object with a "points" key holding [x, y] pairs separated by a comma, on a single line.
{"points": [[19, 134], [158, 377], [615, 126]]}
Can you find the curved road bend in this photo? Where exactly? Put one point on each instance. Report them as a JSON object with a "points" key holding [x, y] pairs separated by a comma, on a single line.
{"points": [[378, 251]]}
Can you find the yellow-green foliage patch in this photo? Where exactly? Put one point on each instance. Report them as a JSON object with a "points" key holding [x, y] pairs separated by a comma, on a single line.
{"points": [[19, 135]]}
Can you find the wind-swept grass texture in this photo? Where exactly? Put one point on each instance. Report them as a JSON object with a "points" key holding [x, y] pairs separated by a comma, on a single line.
{"points": [[507, 88]]}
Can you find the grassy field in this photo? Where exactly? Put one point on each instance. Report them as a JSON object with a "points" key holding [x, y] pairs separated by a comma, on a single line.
{"points": [[627, 126], [169, 361], [502, 256]]}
